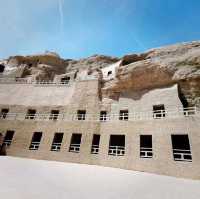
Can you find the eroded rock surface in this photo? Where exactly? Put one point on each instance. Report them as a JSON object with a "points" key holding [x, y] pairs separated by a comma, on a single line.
{"points": [[155, 68]]}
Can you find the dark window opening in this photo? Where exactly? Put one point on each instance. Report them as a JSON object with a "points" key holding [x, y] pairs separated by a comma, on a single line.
{"points": [[2, 67], [65, 80], [57, 141], [123, 115], [8, 138], [81, 114], [103, 116], [146, 146], [95, 144], [117, 145], [75, 143], [109, 73], [30, 114], [35, 142], [30, 65], [158, 111], [54, 115], [4, 113], [181, 148]]}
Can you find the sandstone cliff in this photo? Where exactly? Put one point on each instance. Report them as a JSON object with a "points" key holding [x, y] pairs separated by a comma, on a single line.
{"points": [[155, 68]]}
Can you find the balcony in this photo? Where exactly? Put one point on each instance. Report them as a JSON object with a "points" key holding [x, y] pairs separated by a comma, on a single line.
{"points": [[136, 116], [182, 155], [95, 149], [56, 147], [34, 145], [74, 148], [116, 150], [146, 152]]}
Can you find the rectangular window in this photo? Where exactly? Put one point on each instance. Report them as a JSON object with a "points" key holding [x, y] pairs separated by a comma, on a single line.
{"points": [[35, 142], [146, 146], [8, 138], [4, 113], [158, 111], [103, 116], [75, 143], [95, 144], [181, 148], [117, 145], [54, 115], [81, 114], [123, 115], [65, 80], [57, 141], [30, 114]]}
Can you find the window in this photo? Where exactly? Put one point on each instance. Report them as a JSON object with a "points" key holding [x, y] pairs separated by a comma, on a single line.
{"points": [[146, 146], [57, 141], [117, 145], [181, 148], [103, 116], [81, 114], [109, 73], [30, 114], [4, 113], [95, 144], [35, 142], [54, 115], [65, 80], [2, 67], [75, 143], [158, 111], [123, 115], [8, 138]]}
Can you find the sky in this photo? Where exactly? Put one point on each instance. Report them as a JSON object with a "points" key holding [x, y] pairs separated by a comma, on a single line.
{"points": [[81, 28]]}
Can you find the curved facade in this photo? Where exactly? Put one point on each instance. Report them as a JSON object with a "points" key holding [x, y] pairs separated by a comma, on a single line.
{"points": [[66, 120]]}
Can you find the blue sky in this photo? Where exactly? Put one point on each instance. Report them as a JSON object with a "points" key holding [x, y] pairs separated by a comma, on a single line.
{"points": [[80, 28]]}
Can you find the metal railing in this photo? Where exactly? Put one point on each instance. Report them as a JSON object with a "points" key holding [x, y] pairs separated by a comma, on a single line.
{"points": [[159, 114], [56, 146], [95, 149], [7, 142], [27, 81], [81, 116], [136, 116], [146, 152], [34, 145], [182, 155], [123, 116], [116, 150], [74, 148]]}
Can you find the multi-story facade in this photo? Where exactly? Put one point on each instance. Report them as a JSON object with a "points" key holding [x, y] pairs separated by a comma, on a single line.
{"points": [[66, 120]]}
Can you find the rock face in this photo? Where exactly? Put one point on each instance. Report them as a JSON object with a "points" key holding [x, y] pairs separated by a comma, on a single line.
{"points": [[156, 68], [159, 68]]}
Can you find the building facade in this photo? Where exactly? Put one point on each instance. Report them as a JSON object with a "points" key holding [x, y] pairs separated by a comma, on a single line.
{"points": [[67, 120]]}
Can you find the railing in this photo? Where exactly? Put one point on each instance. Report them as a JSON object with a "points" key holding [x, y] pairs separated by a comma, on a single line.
{"points": [[123, 116], [81, 116], [146, 152], [103, 118], [53, 116], [159, 114], [182, 155], [55, 147], [27, 81], [116, 150], [34, 145], [30, 116], [7, 142], [74, 148], [95, 149], [137, 116]]}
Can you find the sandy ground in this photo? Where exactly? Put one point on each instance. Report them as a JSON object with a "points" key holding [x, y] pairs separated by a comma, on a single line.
{"points": [[38, 179]]}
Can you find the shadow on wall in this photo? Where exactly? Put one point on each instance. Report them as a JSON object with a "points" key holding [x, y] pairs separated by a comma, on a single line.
{"points": [[2, 145]]}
